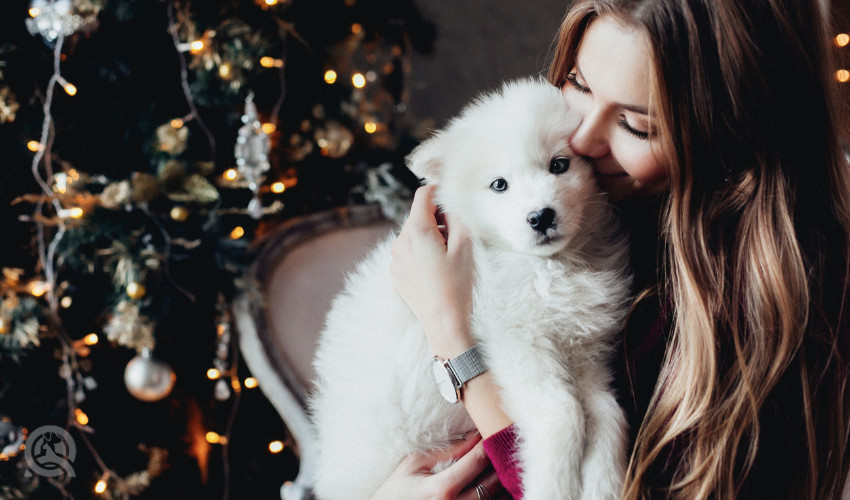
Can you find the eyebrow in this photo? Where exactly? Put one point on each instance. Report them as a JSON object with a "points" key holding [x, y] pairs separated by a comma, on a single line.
{"points": [[641, 110]]}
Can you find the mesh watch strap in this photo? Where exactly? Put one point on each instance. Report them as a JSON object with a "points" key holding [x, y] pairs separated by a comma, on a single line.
{"points": [[467, 365]]}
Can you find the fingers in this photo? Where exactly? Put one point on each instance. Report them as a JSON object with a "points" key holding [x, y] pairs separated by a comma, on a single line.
{"points": [[423, 209], [469, 467], [458, 450], [458, 235], [491, 488]]}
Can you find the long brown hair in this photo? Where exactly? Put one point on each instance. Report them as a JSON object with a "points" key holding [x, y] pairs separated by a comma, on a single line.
{"points": [[755, 234]]}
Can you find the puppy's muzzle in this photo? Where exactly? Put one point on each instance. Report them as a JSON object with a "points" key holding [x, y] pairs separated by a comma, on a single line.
{"points": [[541, 220]]}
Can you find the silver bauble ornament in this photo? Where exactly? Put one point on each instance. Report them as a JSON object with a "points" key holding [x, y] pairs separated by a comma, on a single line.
{"points": [[148, 379]]}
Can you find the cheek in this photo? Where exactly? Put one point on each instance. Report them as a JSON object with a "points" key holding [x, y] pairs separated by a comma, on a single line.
{"points": [[641, 162]]}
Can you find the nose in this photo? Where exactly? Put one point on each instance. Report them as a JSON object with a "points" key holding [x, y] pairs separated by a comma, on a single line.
{"points": [[589, 138], [541, 220]]}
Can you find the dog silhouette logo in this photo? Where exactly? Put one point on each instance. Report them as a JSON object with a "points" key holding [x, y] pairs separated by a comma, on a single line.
{"points": [[50, 451]]}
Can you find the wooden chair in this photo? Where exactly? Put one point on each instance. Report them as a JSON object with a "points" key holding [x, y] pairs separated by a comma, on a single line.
{"points": [[299, 268]]}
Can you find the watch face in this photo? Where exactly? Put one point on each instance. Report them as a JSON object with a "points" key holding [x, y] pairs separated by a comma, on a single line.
{"points": [[444, 381]]}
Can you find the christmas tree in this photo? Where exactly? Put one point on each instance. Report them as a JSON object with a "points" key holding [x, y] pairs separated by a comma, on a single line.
{"points": [[147, 144]]}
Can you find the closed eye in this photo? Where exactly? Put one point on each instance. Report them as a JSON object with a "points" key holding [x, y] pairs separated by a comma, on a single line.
{"points": [[572, 79], [640, 134]]}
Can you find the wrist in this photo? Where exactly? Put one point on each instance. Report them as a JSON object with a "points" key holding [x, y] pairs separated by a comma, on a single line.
{"points": [[449, 339], [482, 400]]}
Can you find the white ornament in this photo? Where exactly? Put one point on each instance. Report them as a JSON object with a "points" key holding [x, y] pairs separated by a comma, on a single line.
{"points": [[222, 392], [252, 153], [148, 379]]}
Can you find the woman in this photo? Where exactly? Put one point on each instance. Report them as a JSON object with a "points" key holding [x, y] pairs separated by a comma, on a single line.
{"points": [[716, 127]]}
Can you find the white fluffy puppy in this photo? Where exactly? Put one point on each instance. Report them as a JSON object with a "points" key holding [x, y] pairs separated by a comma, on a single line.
{"points": [[551, 291]]}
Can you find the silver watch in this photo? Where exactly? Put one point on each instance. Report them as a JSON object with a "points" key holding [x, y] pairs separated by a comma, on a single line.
{"points": [[451, 374]]}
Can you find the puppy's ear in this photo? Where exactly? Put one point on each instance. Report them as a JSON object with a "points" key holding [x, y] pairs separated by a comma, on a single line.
{"points": [[426, 160]]}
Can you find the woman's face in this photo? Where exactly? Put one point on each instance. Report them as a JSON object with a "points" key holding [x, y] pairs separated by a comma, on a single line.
{"points": [[610, 88]]}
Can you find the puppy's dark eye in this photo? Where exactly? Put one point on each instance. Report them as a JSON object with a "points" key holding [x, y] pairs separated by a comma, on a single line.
{"points": [[559, 165], [499, 185]]}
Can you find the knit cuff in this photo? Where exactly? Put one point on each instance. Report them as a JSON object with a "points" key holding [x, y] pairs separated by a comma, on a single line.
{"points": [[501, 448]]}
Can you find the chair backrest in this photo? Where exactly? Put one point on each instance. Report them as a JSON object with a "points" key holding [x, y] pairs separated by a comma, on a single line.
{"points": [[299, 268]]}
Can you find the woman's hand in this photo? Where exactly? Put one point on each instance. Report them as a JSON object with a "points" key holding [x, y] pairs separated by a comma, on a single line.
{"points": [[413, 479], [434, 273]]}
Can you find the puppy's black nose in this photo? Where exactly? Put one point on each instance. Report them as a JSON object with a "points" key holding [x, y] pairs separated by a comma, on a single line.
{"points": [[541, 220]]}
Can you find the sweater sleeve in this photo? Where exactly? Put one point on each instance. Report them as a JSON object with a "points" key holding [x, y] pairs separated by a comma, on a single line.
{"points": [[501, 448]]}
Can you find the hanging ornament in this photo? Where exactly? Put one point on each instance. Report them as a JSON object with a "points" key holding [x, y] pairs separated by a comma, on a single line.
{"points": [[128, 327], [222, 348], [148, 379], [334, 139], [172, 140], [50, 18], [252, 154], [116, 195], [380, 186], [222, 392], [8, 105]]}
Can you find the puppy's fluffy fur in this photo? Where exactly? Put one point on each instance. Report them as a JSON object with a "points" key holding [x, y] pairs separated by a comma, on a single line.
{"points": [[547, 303]]}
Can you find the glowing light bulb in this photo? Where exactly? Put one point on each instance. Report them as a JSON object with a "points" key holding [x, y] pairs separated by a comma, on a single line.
{"points": [[278, 187], [70, 89], [100, 487], [230, 174], [842, 39], [271, 2], [81, 416], [237, 232], [197, 46], [842, 75], [213, 374], [91, 339], [330, 76], [76, 213], [213, 437], [250, 382], [356, 28], [38, 288], [66, 302], [177, 123], [34, 146], [225, 71], [358, 80], [371, 127], [276, 446], [269, 128], [34, 12]]}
